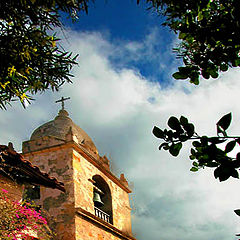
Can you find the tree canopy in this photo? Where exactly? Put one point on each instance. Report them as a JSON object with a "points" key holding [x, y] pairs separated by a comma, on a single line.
{"points": [[30, 59], [207, 151], [209, 33]]}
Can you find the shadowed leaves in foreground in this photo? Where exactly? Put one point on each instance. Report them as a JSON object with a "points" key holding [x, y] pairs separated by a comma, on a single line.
{"points": [[206, 152]]}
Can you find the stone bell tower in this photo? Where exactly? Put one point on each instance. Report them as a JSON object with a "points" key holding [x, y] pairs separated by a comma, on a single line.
{"points": [[95, 205]]}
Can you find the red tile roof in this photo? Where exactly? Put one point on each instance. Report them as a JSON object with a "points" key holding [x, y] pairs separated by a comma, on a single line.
{"points": [[14, 166]]}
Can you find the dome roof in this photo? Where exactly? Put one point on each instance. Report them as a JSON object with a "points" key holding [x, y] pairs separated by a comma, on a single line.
{"points": [[60, 127]]}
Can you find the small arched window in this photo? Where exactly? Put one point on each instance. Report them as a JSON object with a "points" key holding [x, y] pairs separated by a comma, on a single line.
{"points": [[102, 199]]}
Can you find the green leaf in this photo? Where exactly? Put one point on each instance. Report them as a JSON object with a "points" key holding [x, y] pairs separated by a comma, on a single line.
{"points": [[237, 211], [200, 16], [157, 132], [230, 146], [224, 177], [217, 172], [196, 144], [214, 74], [236, 62], [212, 164], [216, 140], [236, 163], [183, 69], [205, 74], [179, 75], [194, 169], [223, 67], [222, 173], [192, 157], [187, 20], [182, 35], [190, 129], [194, 79], [175, 149], [225, 121], [195, 164], [173, 123], [183, 120], [163, 145], [193, 152], [234, 173], [183, 138], [166, 147], [170, 134], [219, 130]]}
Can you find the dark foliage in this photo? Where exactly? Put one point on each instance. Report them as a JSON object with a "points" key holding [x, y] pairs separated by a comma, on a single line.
{"points": [[206, 152], [209, 33], [30, 59]]}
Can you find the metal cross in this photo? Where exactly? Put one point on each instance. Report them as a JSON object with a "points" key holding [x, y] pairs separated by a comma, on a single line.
{"points": [[62, 100]]}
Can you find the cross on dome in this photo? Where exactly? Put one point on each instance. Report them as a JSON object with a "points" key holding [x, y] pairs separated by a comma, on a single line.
{"points": [[62, 101]]}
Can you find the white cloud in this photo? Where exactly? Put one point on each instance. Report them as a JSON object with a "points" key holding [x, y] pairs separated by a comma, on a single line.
{"points": [[118, 108]]}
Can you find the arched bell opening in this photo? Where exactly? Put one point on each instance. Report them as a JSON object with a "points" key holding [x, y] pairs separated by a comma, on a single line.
{"points": [[102, 199]]}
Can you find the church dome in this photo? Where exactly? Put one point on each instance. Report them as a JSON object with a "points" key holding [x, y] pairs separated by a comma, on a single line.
{"points": [[60, 127]]}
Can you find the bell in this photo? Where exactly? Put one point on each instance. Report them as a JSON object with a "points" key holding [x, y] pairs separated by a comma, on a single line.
{"points": [[97, 200]]}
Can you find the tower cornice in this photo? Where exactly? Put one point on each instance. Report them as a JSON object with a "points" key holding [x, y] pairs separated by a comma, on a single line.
{"points": [[82, 151]]}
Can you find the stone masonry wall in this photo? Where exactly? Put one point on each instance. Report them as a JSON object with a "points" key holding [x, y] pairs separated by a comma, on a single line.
{"points": [[83, 171], [15, 190], [60, 206], [88, 231], [71, 168]]}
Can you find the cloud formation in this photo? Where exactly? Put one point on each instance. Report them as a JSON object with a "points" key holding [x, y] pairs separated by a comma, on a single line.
{"points": [[118, 107]]}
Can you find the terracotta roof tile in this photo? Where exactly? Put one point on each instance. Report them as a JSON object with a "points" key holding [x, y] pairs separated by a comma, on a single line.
{"points": [[14, 166]]}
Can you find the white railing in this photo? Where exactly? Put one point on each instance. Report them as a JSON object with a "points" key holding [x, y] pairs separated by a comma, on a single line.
{"points": [[101, 214]]}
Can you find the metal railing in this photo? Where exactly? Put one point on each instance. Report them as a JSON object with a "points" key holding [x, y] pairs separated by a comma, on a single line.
{"points": [[101, 214]]}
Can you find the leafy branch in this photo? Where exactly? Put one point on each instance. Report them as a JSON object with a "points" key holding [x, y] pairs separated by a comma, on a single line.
{"points": [[208, 33], [32, 59], [206, 151]]}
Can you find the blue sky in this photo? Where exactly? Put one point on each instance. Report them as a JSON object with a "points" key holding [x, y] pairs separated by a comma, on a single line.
{"points": [[124, 21], [121, 89]]}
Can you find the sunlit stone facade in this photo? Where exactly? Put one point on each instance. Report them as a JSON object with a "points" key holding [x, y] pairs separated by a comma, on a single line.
{"points": [[65, 151]]}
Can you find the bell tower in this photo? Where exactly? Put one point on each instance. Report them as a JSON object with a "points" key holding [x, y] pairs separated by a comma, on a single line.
{"points": [[95, 205]]}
